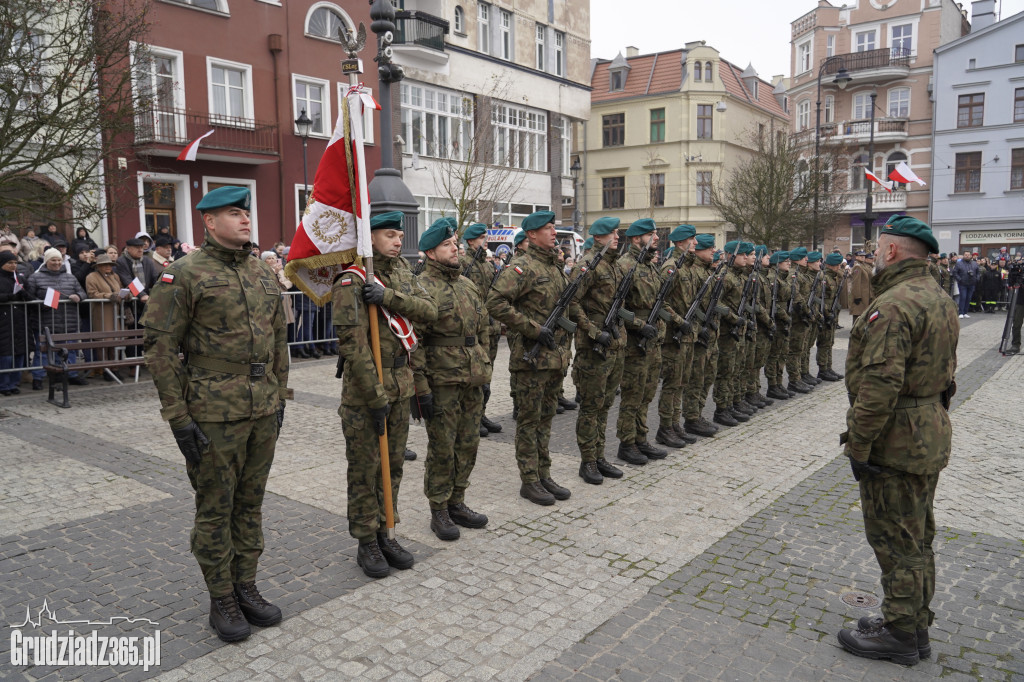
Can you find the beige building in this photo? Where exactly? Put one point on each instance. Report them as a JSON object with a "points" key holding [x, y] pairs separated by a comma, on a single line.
{"points": [[886, 47], [664, 128]]}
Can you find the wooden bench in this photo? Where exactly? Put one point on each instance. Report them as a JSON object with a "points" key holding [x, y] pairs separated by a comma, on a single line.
{"points": [[58, 347]]}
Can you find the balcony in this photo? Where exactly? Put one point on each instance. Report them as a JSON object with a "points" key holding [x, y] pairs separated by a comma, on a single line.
{"points": [[873, 66], [858, 132], [165, 132], [881, 201]]}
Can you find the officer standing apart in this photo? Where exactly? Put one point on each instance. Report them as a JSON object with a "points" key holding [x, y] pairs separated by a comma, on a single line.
{"points": [[457, 366], [522, 298], [481, 273], [222, 308], [366, 403], [860, 286], [899, 375]]}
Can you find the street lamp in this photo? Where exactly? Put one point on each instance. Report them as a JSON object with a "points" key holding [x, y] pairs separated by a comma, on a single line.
{"points": [[841, 80], [304, 125], [574, 170], [869, 216]]}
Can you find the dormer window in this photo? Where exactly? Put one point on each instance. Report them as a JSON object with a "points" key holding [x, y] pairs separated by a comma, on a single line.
{"points": [[697, 72], [617, 72], [618, 81]]}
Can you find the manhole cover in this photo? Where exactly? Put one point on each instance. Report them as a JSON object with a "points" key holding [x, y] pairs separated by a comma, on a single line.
{"points": [[860, 600]]}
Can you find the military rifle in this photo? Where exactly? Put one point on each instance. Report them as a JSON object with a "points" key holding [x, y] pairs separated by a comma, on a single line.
{"points": [[469, 265], [418, 268], [557, 316], [616, 312], [792, 296], [775, 305], [687, 326], [658, 309], [498, 270], [833, 315], [744, 310], [714, 311], [809, 308]]}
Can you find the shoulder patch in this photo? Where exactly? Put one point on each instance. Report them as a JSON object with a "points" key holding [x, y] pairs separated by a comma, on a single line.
{"points": [[345, 281], [874, 316], [167, 277], [518, 269]]}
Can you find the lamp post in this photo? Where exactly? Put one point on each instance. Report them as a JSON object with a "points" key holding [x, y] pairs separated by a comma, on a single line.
{"points": [[841, 80], [304, 124], [574, 170], [869, 216]]}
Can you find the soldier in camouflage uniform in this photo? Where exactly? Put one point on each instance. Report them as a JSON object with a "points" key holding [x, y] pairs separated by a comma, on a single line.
{"points": [[899, 375], [827, 331], [522, 298], [762, 340], [225, 403], [800, 290], [860, 286], [588, 244], [598, 362], [705, 347], [778, 286], [520, 244], [458, 365], [643, 365], [480, 272], [367, 405], [944, 277], [731, 338], [816, 278]]}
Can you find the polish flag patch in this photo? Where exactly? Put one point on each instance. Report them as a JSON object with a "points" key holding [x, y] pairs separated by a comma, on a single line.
{"points": [[136, 286], [873, 317], [518, 269], [52, 298], [167, 278], [346, 282]]}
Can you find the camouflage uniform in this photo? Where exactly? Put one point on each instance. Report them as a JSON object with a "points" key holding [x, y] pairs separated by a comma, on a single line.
{"points": [[827, 330], [762, 342], [509, 332], [902, 357], [860, 289], [361, 390], [815, 319], [705, 357], [222, 308], [802, 319], [676, 358], [730, 349], [522, 298], [775, 361], [481, 273]]}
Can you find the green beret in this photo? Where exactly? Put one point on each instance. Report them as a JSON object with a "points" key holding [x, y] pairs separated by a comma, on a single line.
{"points": [[641, 227], [440, 230], [588, 243], [705, 241], [942, 255], [392, 220], [668, 252], [604, 226], [716, 256], [538, 219], [760, 250], [912, 227], [778, 257], [473, 231], [746, 247], [799, 253], [731, 246], [229, 195], [518, 239], [814, 256], [682, 232], [834, 259]]}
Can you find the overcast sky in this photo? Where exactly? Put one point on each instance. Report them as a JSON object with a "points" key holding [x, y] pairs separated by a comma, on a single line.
{"points": [[754, 31]]}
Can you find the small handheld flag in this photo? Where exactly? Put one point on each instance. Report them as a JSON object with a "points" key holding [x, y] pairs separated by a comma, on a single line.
{"points": [[136, 286], [52, 298]]}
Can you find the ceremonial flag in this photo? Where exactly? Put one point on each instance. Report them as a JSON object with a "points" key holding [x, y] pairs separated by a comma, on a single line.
{"points": [[192, 148], [52, 298], [136, 286], [874, 178], [903, 174]]}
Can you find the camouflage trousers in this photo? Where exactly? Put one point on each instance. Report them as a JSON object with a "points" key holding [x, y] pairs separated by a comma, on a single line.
{"points": [[676, 361], [826, 339], [797, 346], [597, 379], [644, 369], [453, 436], [811, 336], [362, 450], [730, 352], [775, 361], [537, 396], [230, 480], [900, 526], [759, 356], [703, 373], [512, 375]]}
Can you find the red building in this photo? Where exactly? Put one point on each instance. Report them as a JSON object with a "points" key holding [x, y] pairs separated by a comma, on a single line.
{"points": [[244, 69]]}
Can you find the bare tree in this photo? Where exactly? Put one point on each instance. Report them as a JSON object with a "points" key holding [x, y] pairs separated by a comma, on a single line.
{"points": [[778, 195], [65, 96]]}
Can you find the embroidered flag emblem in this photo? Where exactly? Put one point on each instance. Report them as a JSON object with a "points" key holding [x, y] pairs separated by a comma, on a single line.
{"points": [[518, 269], [873, 317], [346, 282], [167, 277]]}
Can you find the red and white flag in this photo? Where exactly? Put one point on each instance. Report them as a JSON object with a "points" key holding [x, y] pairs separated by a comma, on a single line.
{"points": [[52, 298], [874, 178], [136, 286], [335, 227], [902, 173], [192, 148]]}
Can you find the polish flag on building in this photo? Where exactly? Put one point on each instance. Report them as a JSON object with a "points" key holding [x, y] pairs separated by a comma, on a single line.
{"points": [[136, 286], [902, 173], [190, 150], [874, 178], [52, 298]]}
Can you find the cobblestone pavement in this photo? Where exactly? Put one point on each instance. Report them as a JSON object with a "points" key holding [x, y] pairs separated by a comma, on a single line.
{"points": [[728, 559]]}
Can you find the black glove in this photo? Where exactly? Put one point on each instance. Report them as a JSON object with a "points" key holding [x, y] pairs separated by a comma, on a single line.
{"points": [[487, 392], [379, 415], [648, 331], [422, 406], [863, 469], [373, 293], [685, 328], [714, 324], [546, 337], [604, 339], [191, 441], [280, 416]]}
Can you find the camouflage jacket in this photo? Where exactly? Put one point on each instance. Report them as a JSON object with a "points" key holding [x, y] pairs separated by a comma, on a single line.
{"points": [[460, 315], [595, 295], [481, 273], [680, 297], [643, 293], [732, 291], [783, 292], [903, 346], [522, 298], [933, 270], [220, 307], [804, 279], [764, 302], [403, 375], [832, 281], [860, 288], [701, 271]]}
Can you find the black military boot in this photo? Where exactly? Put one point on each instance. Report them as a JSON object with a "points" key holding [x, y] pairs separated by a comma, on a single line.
{"points": [[559, 409], [409, 455], [666, 435], [396, 555], [536, 493], [443, 526], [466, 517], [739, 415], [744, 408], [490, 424], [557, 491], [683, 435], [371, 560], [883, 643], [778, 393], [726, 418], [649, 451], [607, 469], [227, 620], [825, 374], [590, 474], [700, 427], [798, 386], [924, 646], [567, 404], [255, 608], [629, 454], [764, 402], [750, 407], [809, 380], [484, 432]]}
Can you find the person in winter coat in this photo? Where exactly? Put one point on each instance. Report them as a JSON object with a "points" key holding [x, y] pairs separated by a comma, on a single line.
{"points": [[82, 238], [63, 319], [13, 323], [966, 273], [104, 284], [990, 287]]}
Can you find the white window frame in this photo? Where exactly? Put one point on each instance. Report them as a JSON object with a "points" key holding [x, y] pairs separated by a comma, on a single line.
{"points": [[830, 45], [804, 52], [249, 119], [483, 27], [331, 6], [222, 6], [559, 54], [803, 115], [528, 129], [254, 234], [458, 109], [889, 98], [566, 131], [368, 133], [703, 192], [873, 32], [325, 105], [182, 202], [861, 106], [505, 40], [298, 187], [179, 80], [830, 109], [913, 36], [459, 24], [540, 38]]}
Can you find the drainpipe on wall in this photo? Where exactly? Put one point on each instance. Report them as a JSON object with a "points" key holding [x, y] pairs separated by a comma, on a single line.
{"points": [[275, 44]]}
